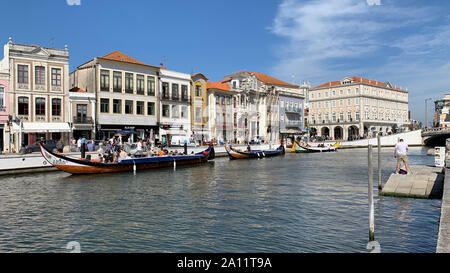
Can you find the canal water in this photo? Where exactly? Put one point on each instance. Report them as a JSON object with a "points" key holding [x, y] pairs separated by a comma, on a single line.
{"points": [[292, 203]]}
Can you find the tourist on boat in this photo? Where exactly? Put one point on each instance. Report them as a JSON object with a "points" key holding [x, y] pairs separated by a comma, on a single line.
{"points": [[128, 156], [98, 159]]}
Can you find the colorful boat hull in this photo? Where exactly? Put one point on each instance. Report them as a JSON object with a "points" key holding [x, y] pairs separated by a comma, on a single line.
{"points": [[80, 166], [238, 154]]}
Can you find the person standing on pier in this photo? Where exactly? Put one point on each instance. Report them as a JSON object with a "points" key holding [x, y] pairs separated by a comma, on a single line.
{"points": [[400, 152]]}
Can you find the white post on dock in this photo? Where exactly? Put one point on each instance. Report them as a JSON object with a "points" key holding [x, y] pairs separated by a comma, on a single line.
{"points": [[174, 164], [371, 208], [380, 183]]}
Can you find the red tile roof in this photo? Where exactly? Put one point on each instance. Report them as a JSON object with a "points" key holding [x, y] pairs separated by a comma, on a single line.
{"points": [[221, 85], [356, 80], [271, 80], [120, 57], [76, 89]]}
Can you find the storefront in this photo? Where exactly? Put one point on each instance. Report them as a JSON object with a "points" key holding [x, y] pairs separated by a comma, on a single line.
{"points": [[132, 132], [30, 132]]}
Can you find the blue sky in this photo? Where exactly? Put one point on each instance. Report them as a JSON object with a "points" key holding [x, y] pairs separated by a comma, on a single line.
{"points": [[405, 42]]}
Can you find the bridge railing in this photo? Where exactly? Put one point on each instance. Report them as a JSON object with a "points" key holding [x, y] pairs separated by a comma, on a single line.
{"points": [[435, 130]]}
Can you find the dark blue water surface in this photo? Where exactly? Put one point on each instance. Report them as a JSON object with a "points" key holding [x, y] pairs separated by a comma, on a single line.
{"points": [[292, 203]]}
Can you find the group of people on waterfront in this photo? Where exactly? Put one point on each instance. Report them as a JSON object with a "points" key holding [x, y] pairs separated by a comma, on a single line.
{"points": [[114, 151]]}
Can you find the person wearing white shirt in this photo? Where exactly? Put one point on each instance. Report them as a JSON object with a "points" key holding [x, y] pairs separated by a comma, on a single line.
{"points": [[400, 152]]}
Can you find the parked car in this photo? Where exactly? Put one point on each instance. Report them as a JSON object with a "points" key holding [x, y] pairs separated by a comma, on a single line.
{"points": [[50, 144]]}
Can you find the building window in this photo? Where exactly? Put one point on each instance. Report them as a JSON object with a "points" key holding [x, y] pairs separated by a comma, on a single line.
{"points": [[341, 117], [333, 103], [184, 92], [117, 106], [117, 81], [356, 101], [2, 97], [333, 93], [104, 80], [175, 91], [334, 117], [128, 107], [349, 116], [341, 103], [357, 115], [139, 108], [198, 90], [356, 91], [56, 107], [228, 100], [23, 105], [349, 102], [22, 73], [175, 113], [140, 84], [40, 106], [198, 114], [56, 76], [150, 108], [39, 75], [150, 86], [326, 94], [165, 90], [184, 111], [129, 83], [312, 96], [104, 105], [165, 111]]}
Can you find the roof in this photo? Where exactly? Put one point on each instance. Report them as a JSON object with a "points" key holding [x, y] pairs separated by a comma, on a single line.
{"points": [[359, 80], [221, 85], [120, 57], [200, 75], [271, 80], [78, 90]]}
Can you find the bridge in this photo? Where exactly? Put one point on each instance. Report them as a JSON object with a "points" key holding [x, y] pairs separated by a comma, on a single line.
{"points": [[435, 136]]}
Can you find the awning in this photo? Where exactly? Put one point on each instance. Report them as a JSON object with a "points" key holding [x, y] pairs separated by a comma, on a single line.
{"points": [[173, 132], [42, 127], [291, 131]]}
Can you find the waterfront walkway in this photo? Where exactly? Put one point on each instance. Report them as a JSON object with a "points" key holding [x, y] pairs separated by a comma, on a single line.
{"points": [[422, 182], [34, 162], [443, 243]]}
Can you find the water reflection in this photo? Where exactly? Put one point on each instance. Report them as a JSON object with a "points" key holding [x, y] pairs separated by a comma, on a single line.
{"points": [[294, 203]]}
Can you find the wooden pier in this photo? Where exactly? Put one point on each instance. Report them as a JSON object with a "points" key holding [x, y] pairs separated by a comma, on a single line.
{"points": [[422, 182]]}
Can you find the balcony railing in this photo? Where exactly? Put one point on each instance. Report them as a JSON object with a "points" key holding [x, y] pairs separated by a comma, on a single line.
{"points": [[2, 108], [293, 109], [82, 120]]}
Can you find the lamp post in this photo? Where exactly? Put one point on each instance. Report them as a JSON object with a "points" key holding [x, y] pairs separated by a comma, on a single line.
{"points": [[426, 112]]}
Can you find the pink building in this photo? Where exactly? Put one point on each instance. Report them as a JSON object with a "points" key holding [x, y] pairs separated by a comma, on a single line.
{"points": [[4, 111]]}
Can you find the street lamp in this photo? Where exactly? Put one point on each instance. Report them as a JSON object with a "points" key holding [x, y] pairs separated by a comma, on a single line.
{"points": [[426, 112]]}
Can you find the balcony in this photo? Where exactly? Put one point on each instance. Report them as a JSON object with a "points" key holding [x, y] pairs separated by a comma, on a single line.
{"points": [[82, 120], [293, 110], [2, 108]]}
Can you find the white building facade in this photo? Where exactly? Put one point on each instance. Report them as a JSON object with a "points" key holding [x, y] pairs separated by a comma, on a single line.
{"points": [[174, 104], [38, 93]]}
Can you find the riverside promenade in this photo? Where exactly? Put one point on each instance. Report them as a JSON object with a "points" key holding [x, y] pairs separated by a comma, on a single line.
{"points": [[443, 243], [34, 162]]}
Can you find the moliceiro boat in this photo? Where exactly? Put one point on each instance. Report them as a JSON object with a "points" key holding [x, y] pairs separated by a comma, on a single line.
{"points": [[321, 148], [243, 154], [84, 166]]}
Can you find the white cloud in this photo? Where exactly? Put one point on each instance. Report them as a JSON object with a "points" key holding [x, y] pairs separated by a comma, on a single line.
{"points": [[73, 2], [327, 40], [373, 2]]}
